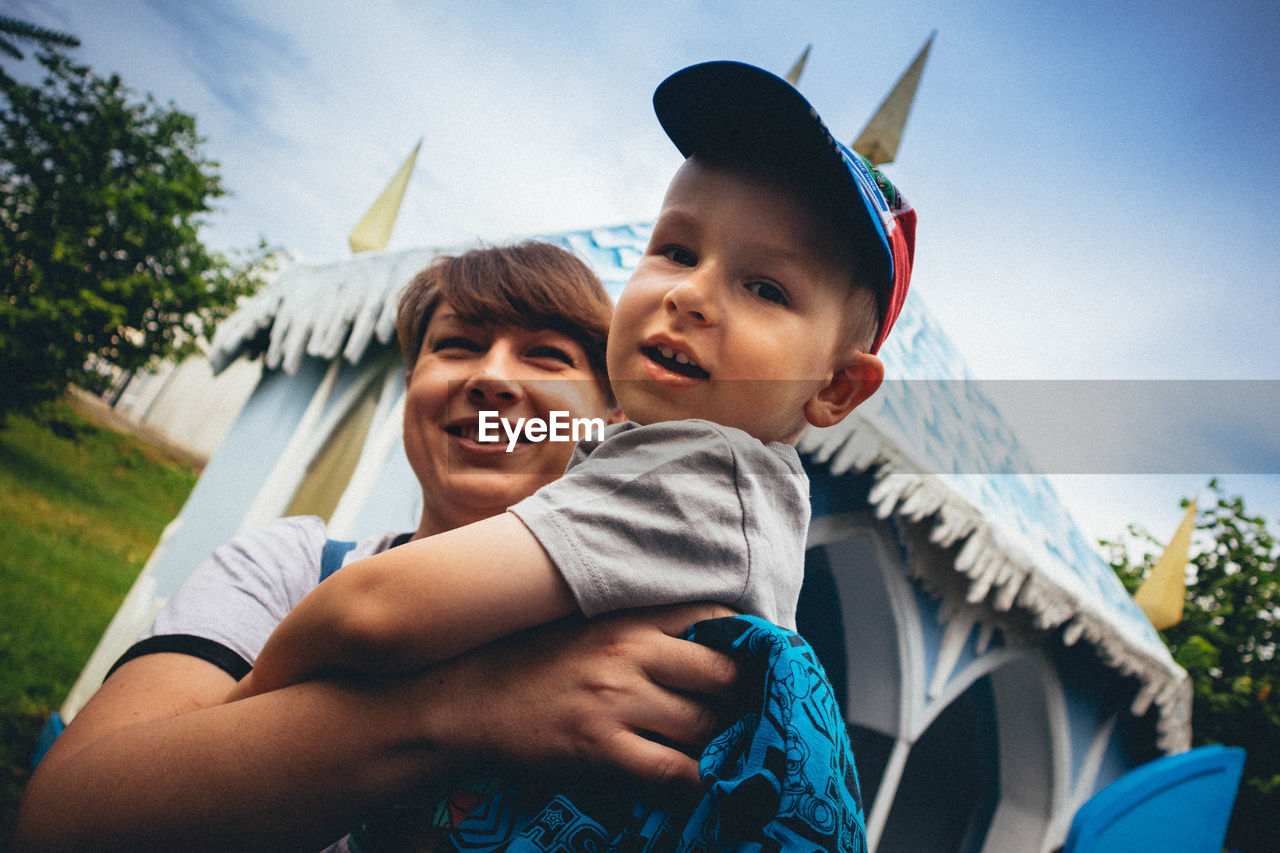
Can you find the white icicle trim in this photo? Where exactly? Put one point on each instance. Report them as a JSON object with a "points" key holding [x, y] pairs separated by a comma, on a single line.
{"points": [[999, 572]]}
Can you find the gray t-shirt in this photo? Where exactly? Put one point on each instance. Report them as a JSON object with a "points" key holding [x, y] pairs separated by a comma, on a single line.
{"points": [[677, 511], [238, 596]]}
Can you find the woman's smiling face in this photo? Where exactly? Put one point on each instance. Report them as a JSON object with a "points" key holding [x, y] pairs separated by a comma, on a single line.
{"points": [[466, 367]]}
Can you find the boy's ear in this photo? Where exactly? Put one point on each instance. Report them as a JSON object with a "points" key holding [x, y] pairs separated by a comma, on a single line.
{"points": [[854, 381]]}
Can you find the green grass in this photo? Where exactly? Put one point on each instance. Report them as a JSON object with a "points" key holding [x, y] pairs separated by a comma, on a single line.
{"points": [[79, 515]]}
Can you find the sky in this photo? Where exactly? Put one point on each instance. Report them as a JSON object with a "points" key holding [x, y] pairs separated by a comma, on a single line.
{"points": [[1098, 183]]}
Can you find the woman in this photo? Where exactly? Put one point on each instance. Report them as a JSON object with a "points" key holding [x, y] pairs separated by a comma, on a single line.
{"points": [[158, 759]]}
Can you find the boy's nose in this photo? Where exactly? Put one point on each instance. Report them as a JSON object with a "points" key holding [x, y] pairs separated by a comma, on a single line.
{"points": [[692, 296]]}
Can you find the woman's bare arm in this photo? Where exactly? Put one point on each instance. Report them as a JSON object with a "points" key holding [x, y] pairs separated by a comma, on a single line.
{"points": [[157, 761]]}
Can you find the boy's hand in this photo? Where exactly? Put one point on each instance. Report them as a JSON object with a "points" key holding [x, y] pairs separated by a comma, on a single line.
{"points": [[581, 694]]}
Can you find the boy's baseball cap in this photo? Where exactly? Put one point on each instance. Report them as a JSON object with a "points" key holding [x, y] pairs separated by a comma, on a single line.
{"points": [[734, 108]]}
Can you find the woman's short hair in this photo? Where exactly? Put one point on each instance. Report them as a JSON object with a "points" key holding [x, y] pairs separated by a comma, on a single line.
{"points": [[530, 285]]}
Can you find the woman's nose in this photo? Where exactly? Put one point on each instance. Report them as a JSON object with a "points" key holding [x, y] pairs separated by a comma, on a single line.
{"points": [[494, 380]]}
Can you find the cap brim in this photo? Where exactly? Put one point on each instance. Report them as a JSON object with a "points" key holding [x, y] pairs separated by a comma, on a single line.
{"points": [[730, 108]]}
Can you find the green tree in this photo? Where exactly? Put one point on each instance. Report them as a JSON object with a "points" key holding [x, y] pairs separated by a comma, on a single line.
{"points": [[1227, 643], [101, 199]]}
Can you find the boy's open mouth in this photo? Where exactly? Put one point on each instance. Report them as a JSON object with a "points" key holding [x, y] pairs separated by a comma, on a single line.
{"points": [[676, 362]]}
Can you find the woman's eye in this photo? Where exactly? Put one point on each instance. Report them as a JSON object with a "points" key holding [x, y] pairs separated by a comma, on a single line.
{"points": [[553, 353], [456, 343], [768, 291], [680, 255]]}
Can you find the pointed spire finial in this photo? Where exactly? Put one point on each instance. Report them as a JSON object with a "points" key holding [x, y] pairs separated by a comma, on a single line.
{"points": [[1162, 594], [879, 140], [374, 230], [793, 76]]}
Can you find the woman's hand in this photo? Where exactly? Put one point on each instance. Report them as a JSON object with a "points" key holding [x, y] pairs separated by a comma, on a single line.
{"points": [[593, 693]]}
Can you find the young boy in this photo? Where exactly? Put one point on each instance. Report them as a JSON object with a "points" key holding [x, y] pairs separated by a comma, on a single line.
{"points": [[776, 267]]}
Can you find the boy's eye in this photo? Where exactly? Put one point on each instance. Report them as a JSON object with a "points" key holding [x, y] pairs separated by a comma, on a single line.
{"points": [[768, 291], [680, 255], [553, 352], [456, 342]]}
